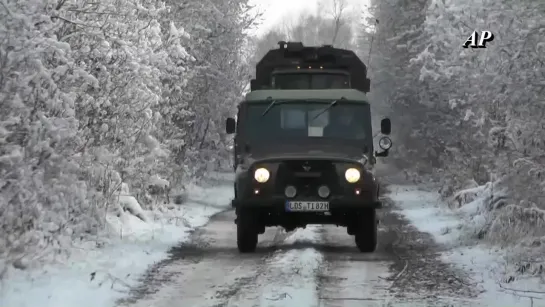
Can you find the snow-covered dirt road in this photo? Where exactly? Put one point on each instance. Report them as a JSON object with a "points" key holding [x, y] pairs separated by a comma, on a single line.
{"points": [[420, 261], [316, 266]]}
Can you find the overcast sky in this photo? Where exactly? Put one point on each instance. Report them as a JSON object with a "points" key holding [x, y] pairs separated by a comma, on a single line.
{"points": [[275, 11]]}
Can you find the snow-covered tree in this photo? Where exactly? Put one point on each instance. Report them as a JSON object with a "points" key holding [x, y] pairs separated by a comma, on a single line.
{"points": [[41, 189], [96, 95], [331, 24], [391, 34], [469, 115], [491, 99], [494, 94]]}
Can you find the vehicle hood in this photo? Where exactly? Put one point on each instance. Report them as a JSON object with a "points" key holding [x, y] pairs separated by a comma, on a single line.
{"points": [[291, 151]]}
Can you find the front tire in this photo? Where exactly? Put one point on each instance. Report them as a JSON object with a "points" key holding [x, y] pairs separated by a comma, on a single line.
{"points": [[366, 233], [246, 233]]}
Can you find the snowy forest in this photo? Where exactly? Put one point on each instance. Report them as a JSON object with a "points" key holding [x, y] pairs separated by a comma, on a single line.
{"points": [[130, 96]]}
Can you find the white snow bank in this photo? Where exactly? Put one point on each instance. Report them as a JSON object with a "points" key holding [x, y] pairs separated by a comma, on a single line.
{"points": [[464, 217], [220, 176], [427, 212], [208, 195], [97, 273], [487, 267], [474, 205], [516, 234], [488, 216]]}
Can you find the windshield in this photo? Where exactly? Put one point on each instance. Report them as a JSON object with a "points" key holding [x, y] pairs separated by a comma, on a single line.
{"points": [[309, 119], [317, 81]]}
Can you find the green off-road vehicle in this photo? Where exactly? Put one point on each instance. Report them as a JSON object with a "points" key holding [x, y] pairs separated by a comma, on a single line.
{"points": [[303, 157]]}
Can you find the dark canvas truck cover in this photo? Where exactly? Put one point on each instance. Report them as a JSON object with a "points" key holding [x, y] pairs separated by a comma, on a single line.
{"points": [[294, 55]]}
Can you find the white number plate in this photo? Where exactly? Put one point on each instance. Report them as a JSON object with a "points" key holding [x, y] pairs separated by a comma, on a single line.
{"points": [[307, 206]]}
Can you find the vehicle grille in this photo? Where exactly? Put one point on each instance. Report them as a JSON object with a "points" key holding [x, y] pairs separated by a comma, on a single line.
{"points": [[307, 181]]}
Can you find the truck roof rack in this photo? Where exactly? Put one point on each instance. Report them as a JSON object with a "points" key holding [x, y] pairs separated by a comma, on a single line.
{"points": [[295, 54]]}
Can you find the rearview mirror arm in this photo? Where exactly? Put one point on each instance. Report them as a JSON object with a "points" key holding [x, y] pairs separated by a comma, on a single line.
{"points": [[383, 153]]}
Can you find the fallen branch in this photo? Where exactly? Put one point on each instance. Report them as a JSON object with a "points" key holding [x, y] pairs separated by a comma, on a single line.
{"points": [[111, 278], [520, 290], [526, 296], [399, 274]]}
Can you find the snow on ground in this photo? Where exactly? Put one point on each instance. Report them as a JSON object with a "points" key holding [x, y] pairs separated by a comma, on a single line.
{"points": [[429, 213], [486, 264], [291, 275], [98, 273]]}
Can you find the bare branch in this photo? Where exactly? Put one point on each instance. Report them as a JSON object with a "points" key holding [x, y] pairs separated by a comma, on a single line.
{"points": [[520, 290]]}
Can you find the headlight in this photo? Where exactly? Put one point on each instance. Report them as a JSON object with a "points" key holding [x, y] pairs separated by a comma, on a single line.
{"points": [[352, 175], [262, 175]]}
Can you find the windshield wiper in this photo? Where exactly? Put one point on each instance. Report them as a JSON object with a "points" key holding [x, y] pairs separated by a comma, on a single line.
{"points": [[277, 102], [271, 105], [332, 104]]}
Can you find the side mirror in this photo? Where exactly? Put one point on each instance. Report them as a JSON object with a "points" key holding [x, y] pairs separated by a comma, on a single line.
{"points": [[385, 126], [230, 125], [364, 85], [253, 85], [367, 85]]}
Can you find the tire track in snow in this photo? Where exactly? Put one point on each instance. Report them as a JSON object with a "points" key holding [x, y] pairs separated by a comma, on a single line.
{"points": [[207, 270], [290, 275], [403, 271], [351, 278]]}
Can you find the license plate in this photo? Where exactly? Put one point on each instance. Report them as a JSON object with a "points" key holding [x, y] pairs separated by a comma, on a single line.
{"points": [[307, 206]]}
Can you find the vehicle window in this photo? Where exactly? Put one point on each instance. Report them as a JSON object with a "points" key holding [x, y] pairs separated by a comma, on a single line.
{"points": [[310, 81], [325, 81], [285, 121], [293, 117], [291, 81]]}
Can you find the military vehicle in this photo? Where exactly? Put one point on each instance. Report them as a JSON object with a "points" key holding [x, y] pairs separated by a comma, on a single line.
{"points": [[295, 66], [304, 157]]}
